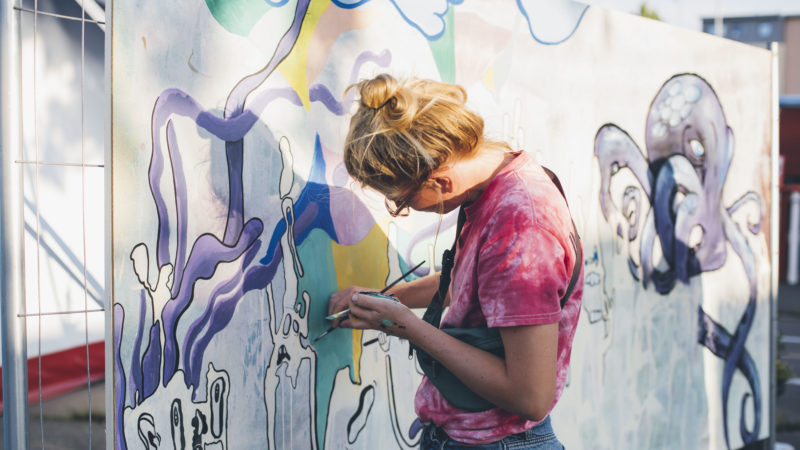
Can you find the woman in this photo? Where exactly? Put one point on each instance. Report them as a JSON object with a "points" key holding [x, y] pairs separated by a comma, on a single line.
{"points": [[416, 143]]}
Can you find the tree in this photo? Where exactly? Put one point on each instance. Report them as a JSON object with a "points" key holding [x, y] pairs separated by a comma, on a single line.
{"points": [[645, 11]]}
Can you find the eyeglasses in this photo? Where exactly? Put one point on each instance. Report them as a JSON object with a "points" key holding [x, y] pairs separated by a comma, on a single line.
{"points": [[400, 207]]}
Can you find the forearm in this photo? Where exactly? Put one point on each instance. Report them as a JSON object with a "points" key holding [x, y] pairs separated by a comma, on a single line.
{"points": [[417, 293], [525, 391], [523, 384]]}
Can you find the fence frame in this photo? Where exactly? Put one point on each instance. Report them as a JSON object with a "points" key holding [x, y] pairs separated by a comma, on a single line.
{"points": [[12, 253], [774, 221], [109, 227]]}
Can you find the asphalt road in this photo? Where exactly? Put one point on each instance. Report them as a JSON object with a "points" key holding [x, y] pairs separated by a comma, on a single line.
{"points": [[788, 404]]}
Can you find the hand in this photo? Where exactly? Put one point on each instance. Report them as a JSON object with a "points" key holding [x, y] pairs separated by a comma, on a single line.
{"points": [[373, 313], [340, 300]]}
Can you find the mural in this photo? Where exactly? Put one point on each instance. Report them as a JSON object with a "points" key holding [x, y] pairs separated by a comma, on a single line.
{"points": [[235, 219], [689, 152]]}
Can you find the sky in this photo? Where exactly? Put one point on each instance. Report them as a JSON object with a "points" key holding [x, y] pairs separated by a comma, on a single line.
{"points": [[689, 13]]}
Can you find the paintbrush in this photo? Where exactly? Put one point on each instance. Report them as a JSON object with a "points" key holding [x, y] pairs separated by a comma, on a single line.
{"points": [[346, 312]]}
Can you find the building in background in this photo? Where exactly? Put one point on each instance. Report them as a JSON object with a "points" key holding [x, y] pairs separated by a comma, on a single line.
{"points": [[761, 31]]}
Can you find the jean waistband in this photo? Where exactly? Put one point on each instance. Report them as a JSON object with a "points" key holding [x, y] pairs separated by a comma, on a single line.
{"points": [[541, 429]]}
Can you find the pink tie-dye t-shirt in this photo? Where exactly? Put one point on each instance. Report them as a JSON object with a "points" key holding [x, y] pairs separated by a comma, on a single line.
{"points": [[513, 263]]}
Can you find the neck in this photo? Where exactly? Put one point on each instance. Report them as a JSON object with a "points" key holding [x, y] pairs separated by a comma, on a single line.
{"points": [[479, 171]]}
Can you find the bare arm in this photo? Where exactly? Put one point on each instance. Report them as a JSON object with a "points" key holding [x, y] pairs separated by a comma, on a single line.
{"points": [[524, 383], [414, 294], [417, 293]]}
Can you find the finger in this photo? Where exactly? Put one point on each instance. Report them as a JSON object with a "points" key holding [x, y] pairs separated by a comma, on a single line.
{"points": [[355, 324], [355, 321], [366, 301], [334, 302], [338, 301], [364, 314]]}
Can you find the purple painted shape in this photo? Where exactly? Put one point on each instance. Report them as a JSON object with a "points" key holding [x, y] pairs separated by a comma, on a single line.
{"points": [[171, 101], [234, 128], [234, 152], [176, 102], [259, 103], [305, 219], [258, 277], [193, 354], [181, 207], [151, 362], [119, 378], [415, 428], [136, 356], [197, 326], [321, 93], [344, 206], [207, 251], [206, 254], [236, 100], [383, 59], [221, 313], [239, 238]]}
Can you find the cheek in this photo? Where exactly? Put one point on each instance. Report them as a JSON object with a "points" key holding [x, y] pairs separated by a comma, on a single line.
{"points": [[423, 202], [423, 206]]}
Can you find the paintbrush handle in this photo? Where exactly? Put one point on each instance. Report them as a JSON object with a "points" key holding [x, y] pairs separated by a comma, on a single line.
{"points": [[346, 312]]}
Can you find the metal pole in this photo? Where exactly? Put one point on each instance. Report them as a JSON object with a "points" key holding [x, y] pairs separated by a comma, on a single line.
{"points": [[774, 220], [111, 400], [12, 259], [792, 269]]}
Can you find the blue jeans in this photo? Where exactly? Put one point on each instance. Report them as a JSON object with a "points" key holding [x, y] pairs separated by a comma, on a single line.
{"points": [[540, 437]]}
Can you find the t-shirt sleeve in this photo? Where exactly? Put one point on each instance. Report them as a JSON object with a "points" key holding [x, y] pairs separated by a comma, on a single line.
{"points": [[521, 272]]}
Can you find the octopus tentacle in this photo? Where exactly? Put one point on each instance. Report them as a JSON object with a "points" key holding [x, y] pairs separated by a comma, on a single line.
{"points": [[738, 353], [749, 197], [646, 247], [615, 150]]}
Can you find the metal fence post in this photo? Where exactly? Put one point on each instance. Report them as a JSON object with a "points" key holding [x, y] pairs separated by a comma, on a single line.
{"points": [[111, 400], [774, 220], [12, 259]]}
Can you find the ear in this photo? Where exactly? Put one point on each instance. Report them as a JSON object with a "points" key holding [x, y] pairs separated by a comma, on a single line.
{"points": [[442, 181]]}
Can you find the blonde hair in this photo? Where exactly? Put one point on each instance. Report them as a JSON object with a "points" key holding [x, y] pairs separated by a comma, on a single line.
{"points": [[404, 130]]}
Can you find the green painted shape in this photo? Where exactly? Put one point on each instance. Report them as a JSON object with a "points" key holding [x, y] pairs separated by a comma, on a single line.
{"points": [[444, 51], [237, 16], [334, 351]]}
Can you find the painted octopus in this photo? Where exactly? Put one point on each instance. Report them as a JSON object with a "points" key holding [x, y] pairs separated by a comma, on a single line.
{"points": [[689, 150]]}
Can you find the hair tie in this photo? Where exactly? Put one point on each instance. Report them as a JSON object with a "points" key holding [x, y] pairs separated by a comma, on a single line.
{"points": [[381, 105]]}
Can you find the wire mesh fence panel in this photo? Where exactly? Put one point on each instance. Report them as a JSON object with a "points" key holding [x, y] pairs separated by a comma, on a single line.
{"points": [[62, 87]]}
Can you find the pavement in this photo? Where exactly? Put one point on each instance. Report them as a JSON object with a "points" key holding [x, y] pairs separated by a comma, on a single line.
{"points": [[64, 422], [787, 405]]}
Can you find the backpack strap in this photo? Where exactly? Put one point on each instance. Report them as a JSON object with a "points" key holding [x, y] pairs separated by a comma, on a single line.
{"points": [[433, 315], [575, 240]]}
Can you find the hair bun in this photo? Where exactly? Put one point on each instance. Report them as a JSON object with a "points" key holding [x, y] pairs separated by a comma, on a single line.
{"points": [[403, 130], [393, 100], [379, 91]]}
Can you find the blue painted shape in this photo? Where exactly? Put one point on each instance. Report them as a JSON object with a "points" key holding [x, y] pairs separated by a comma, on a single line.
{"points": [[567, 33], [441, 16], [349, 4]]}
